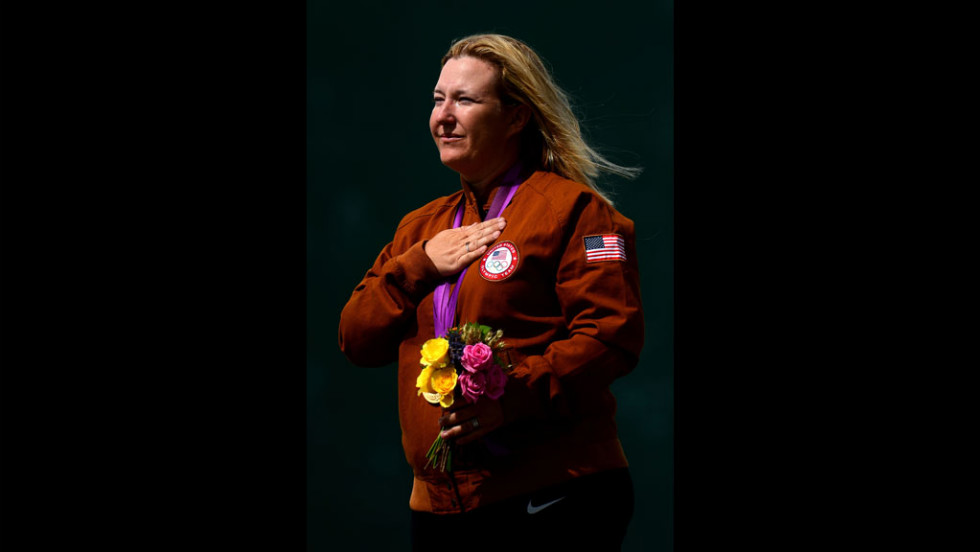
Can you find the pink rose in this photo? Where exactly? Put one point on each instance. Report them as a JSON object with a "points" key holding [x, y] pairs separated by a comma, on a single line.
{"points": [[477, 358], [496, 380], [472, 385]]}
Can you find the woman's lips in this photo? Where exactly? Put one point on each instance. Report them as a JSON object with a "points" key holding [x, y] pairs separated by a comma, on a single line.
{"points": [[449, 138]]}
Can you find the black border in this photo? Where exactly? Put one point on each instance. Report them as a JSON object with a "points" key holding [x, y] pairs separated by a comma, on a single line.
{"points": [[154, 276]]}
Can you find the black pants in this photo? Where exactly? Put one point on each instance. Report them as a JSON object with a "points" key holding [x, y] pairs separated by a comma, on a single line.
{"points": [[586, 513]]}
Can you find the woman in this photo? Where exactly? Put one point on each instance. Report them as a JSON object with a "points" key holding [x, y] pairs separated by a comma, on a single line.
{"points": [[529, 247]]}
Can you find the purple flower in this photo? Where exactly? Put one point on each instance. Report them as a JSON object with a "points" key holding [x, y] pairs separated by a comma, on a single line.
{"points": [[496, 380], [472, 385], [477, 358]]}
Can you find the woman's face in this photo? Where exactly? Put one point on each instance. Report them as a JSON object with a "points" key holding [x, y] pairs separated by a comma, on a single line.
{"points": [[468, 121]]}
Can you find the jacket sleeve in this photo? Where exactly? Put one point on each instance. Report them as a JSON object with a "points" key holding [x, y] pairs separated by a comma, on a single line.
{"points": [[600, 303], [383, 304]]}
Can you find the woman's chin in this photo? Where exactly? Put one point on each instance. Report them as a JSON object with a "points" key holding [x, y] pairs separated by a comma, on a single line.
{"points": [[451, 161]]}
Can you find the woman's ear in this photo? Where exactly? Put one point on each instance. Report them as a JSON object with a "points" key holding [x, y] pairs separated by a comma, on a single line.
{"points": [[519, 116]]}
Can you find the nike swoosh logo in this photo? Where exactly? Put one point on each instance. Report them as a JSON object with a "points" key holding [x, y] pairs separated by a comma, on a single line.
{"points": [[531, 509]]}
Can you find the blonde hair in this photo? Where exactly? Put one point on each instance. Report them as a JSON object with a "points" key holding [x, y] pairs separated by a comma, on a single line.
{"points": [[554, 140]]}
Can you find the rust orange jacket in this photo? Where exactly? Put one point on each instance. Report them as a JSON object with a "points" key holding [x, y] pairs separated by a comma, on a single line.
{"points": [[572, 325]]}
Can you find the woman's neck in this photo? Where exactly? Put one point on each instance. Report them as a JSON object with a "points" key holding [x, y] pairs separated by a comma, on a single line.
{"points": [[482, 187]]}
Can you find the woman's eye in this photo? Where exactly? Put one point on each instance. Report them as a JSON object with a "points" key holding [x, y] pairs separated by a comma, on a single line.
{"points": [[436, 100], [465, 100]]}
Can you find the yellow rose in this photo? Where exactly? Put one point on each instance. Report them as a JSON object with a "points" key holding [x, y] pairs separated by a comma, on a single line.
{"points": [[435, 352], [423, 381], [436, 385], [436, 382], [443, 380], [447, 401]]}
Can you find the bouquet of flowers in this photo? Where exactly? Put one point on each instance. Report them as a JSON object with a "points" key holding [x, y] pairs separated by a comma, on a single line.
{"points": [[468, 359]]}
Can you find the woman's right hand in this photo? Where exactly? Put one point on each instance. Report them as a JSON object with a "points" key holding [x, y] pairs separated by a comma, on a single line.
{"points": [[454, 249]]}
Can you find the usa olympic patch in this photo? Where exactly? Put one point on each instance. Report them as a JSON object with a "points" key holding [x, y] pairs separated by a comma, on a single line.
{"points": [[499, 262]]}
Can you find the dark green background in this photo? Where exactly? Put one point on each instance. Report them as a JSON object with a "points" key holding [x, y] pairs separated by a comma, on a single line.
{"points": [[371, 69]]}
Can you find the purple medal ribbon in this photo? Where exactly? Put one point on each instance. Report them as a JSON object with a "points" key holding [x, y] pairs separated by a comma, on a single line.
{"points": [[444, 303]]}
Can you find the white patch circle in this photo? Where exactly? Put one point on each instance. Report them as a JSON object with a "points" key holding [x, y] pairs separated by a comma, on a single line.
{"points": [[499, 262]]}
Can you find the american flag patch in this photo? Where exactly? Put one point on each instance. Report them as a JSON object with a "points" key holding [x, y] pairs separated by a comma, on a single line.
{"points": [[606, 247]]}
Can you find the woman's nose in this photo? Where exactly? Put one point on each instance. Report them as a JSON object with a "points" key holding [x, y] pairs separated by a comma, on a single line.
{"points": [[445, 111]]}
